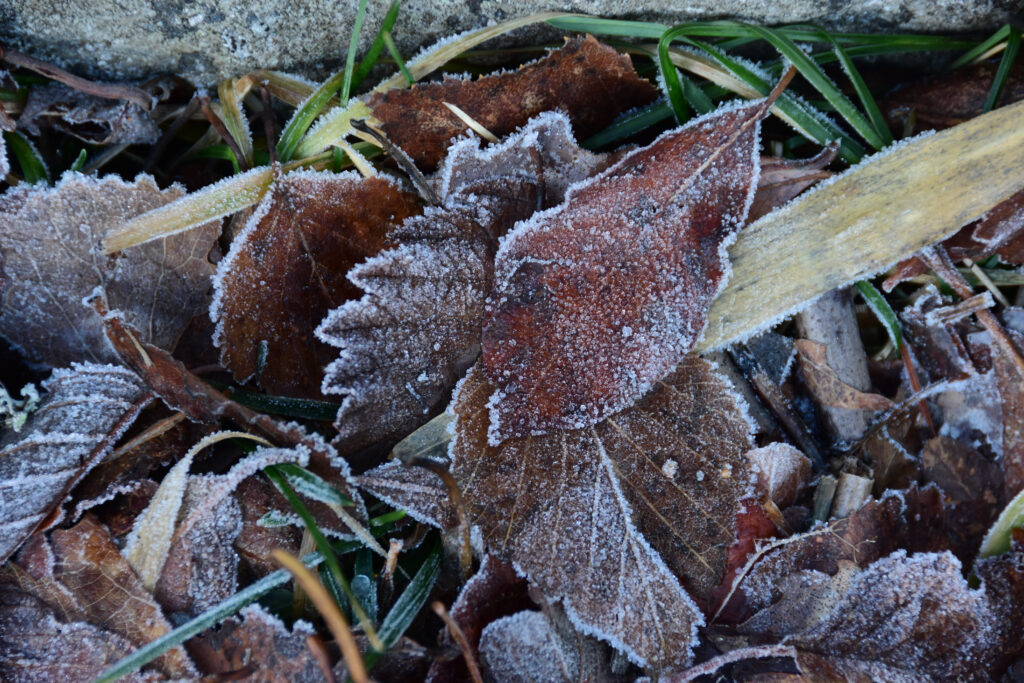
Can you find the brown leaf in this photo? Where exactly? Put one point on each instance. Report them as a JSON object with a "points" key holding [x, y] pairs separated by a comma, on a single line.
{"points": [[287, 269], [91, 119], [783, 179], [417, 329], [900, 618], [418, 491], [592, 82], [1011, 389], [110, 594], [255, 541], [595, 300], [87, 409], [51, 259], [495, 591], [36, 646], [260, 648], [609, 516], [542, 646], [826, 386], [782, 472]]}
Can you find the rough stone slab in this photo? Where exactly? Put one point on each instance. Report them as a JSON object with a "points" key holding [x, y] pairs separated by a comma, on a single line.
{"points": [[205, 40]]}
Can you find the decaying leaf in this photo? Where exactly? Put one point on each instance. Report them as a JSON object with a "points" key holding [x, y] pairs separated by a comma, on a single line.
{"points": [[92, 119], [107, 591], [51, 259], [495, 591], [782, 472], [287, 269], [592, 82], [902, 618], [417, 490], [561, 350], [605, 519], [1010, 383], [783, 179], [417, 329], [827, 387], [542, 646], [254, 543], [87, 409], [259, 648]]}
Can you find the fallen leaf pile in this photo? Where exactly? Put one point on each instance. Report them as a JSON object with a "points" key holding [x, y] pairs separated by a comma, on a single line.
{"points": [[593, 499]]}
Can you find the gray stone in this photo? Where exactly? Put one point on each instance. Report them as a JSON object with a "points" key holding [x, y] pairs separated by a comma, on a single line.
{"points": [[206, 40]]}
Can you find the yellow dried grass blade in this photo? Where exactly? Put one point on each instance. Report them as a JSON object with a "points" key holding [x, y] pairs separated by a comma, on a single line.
{"points": [[234, 119], [882, 211]]}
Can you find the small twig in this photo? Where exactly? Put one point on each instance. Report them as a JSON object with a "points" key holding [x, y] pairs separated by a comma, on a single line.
{"points": [[460, 638], [172, 131], [268, 124], [403, 161], [110, 91], [915, 385], [222, 130], [322, 657]]}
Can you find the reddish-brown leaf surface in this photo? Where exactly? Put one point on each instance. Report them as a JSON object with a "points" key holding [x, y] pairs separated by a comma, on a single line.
{"points": [[87, 409], [590, 81], [783, 179], [288, 268], [51, 259], [613, 514], [597, 299], [417, 329]]}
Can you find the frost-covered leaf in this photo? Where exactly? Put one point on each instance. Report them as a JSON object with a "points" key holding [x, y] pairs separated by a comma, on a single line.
{"points": [[782, 472], [92, 119], [827, 387], [606, 518], [592, 82], [902, 618], [542, 646], [417, 490], [86, 410], [597, 299], [783, 179], [35, 645], [288, 268], [254, 543], [495, 591], [51, 259], [109, 593], [261, 645], [417, 329]]}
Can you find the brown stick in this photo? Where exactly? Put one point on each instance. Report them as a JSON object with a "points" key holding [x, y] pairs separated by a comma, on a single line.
{"points": [[222, 130], [268, 124], [110, 91], [459, 637]]}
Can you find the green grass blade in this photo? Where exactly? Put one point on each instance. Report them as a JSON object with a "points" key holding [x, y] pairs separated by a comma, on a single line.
{"points": [[395, 55], [33, 168], [867, 100], [373, 54], [609, 27], [1003, 72], [997, 540], [312, 486], [880, 307], [630, 125], [234, 120], [982, 47], [304, 116], [304, 408], [408, 605], [200, 623], [218, 151], [79, 163], [671, 79], [279, 479], [350, 58]]}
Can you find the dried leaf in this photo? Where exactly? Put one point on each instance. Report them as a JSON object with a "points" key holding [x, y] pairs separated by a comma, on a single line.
{"points": [[782, 472], [260, 648], [417, 329], [87, 409], [592, 82], [254, 543], [417, 490], [1011, 389], [561, 350], [36, 646], [287, 269], [783, 179], [901, 618], [51, 258], [604, 519], [542, 646], [827, 387], [495, 591], [91, 119], [108, 591]]}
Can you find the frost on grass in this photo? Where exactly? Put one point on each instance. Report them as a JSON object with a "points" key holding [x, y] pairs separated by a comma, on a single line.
{"points": [[594, 521], [86, 410], [288, 268], [51, 258], [591, 82], [417, 328], [541, 646], [595, 300]]}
